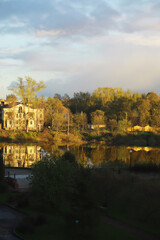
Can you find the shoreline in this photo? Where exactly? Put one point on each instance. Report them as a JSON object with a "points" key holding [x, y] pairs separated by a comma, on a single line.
{"points": [[148, 139]]}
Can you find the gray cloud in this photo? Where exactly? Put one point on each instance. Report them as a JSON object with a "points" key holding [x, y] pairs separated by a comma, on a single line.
{"points": [[78, 17], [71, 17]]}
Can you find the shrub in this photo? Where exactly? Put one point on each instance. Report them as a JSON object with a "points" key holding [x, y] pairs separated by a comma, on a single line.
{"points": [[23, 201], [46, 135], [53, 181], [27, 225], [40, 219]]}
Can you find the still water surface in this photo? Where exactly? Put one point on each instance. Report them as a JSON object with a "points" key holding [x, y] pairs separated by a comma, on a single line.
{"points": [[24, 155]]}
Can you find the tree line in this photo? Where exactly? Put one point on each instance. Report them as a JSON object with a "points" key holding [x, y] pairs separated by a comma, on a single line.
{"points": [[113, 107]]}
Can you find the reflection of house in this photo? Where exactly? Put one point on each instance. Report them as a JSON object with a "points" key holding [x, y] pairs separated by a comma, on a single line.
{"points": [[20, 155], [21, 117]]}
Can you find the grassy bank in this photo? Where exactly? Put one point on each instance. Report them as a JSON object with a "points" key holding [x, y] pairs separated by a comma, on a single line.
{"points": [[128, 139], [47, 135], [50, 136]]}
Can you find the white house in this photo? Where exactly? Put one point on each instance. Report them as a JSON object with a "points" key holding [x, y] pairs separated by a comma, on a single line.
{"points": [[21, 117]]}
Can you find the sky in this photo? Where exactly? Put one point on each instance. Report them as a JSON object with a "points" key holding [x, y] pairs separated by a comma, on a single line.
{"points": [[80, 45]]}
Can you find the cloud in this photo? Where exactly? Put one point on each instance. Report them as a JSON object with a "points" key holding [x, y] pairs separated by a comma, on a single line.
{"points": [[69, 17], [81, 44], [82, 18]]}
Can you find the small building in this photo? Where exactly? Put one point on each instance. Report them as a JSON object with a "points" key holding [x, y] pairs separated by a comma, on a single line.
{"points": [[147, 128], [96, 126], [21, 117]]}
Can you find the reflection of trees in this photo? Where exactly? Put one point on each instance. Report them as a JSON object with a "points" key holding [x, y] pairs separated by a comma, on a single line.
{"points": [[98, 155], [121, 154], [80, 153], [142, 156], [154, 156], [9, 159]]}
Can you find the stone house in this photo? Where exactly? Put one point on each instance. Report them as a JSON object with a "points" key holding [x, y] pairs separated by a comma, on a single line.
{"points": [[21, 117]]}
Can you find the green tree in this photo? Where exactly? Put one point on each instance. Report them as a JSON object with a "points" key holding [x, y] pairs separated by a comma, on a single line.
{"points": [[11, 99], [53, 182], [80, 121], [123, 125], [58, 120], [144, 108], [98, 118], [55, 113], [112, 125], [26, 89], [155, 115], [80, 102]]}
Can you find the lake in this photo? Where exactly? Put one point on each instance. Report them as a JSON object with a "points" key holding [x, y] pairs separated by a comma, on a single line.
{"points": [[25, 155]]}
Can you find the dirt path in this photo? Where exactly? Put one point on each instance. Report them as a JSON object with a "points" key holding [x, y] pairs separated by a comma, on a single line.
{"points": [[140, 234], [9, 218]]}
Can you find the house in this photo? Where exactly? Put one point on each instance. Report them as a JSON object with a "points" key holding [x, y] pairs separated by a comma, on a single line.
{"points": [[21, 117], [147, 128], [96, 126]]}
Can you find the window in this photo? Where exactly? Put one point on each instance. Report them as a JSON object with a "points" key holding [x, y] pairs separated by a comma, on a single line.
{"points": [[30, 150], [10, 122], [16, 115], [30, 122], [16, 122], [20, 110], [40, 115]]}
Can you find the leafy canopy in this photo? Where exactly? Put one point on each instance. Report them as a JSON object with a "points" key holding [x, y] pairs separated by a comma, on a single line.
{"points": [[27, 88]]}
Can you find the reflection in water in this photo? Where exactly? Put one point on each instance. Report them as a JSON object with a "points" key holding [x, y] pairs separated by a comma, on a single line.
{"points": [[15, 155], [99, 154], [19, 155]]}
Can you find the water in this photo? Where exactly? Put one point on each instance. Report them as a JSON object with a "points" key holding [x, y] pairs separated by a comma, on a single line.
{"points": [[25, 155]]}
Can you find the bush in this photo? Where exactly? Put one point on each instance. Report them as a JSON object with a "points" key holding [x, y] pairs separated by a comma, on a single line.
{"points": [[27, 225], [40, 219], [53, 182], [3, 187], [46, 135], [23, 201]]}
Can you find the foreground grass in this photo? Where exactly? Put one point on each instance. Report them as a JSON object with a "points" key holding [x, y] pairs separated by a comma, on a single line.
{"points": [[134, 199], [56, 226], [129, 197], [56, 229]]}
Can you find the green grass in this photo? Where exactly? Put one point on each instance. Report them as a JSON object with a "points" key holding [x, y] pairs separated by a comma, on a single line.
{"points": [[135, 201], [111, 233], [53, 229], [56, 229]]}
